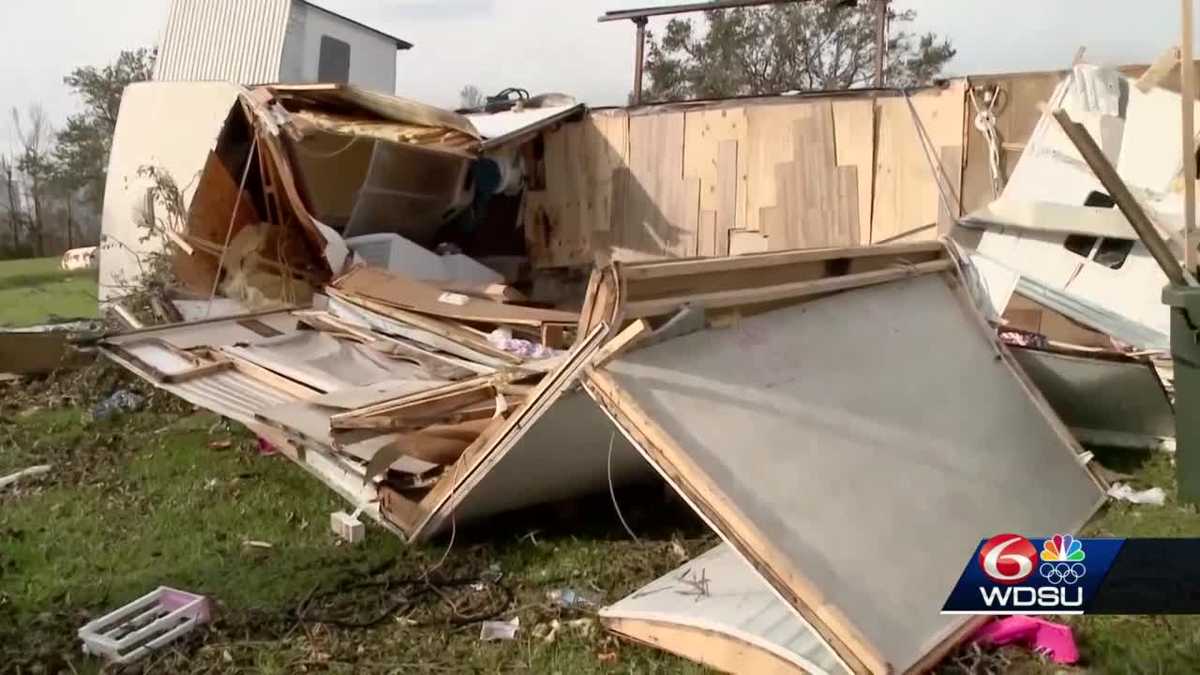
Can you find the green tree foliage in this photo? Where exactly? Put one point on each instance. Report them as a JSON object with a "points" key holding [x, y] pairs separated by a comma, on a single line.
{"points": [[83, 144], [804, 46]]}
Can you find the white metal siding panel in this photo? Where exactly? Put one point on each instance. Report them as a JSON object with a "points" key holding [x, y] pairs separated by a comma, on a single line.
{"points": [[235, 40], [738, 604], [197, 113], [372, 56], [291, 65]]}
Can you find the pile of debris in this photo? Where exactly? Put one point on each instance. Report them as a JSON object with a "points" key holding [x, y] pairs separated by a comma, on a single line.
{"points": [[779, 393]]}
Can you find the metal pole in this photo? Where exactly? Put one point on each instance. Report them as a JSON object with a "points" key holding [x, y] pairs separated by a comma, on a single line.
{"points": [[880, 41], [1188, 93], [640, 61]]}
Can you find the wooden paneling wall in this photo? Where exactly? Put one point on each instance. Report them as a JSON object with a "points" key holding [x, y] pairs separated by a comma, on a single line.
{"points": [[739, 176]]}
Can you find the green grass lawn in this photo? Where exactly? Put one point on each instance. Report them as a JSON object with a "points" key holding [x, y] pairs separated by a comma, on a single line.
{"points": [[37, 291], [144, 501], [155, 497]]}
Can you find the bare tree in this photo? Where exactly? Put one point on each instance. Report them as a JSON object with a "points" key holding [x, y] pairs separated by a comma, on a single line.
{"points": [[12, 195], [471, 98], [36, 163]]}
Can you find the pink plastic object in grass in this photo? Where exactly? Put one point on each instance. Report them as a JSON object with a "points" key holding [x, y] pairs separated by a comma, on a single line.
{"points": [[1053, 639]]}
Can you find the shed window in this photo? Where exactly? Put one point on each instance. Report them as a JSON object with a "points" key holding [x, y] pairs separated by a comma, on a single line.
{"points": [[334, 63], [1106, 251]]}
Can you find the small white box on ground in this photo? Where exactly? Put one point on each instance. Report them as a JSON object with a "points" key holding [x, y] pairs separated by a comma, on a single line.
{"points": [[347, 527]]}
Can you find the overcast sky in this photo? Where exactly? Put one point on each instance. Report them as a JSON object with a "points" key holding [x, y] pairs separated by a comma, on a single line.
{"points": [[557, 45]]}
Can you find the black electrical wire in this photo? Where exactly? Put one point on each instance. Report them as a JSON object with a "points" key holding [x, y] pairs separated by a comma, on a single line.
{"points": [[415, 588]]}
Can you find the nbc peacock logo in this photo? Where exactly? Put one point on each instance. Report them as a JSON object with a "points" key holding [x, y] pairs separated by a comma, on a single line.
{"points": [[1062, 559]]}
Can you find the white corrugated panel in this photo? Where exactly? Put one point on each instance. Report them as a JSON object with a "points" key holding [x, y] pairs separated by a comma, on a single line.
{"points": [[236, 40], [732, 601]]}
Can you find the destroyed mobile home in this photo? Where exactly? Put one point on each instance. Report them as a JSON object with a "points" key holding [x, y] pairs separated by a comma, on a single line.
{"points": [[776, 330]]}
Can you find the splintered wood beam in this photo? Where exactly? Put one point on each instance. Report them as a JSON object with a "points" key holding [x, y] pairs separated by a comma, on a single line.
{"points": [[752, 296], [621, 343], [636, 272]]}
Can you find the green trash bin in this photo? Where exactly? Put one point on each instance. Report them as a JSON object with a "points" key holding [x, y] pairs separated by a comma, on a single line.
{"points": [[1185, 351]]}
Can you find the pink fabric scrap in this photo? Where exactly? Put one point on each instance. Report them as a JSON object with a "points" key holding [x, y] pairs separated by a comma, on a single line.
{"points": [[1055, 639], [265, 448]]}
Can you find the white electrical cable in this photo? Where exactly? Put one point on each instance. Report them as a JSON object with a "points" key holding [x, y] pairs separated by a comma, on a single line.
{"points": [[613, 493], [985, 122]]}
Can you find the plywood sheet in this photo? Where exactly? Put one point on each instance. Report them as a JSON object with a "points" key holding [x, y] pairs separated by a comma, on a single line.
{"points": [[570, 216], [747, 241], [711, 141], [661, 206], [731, 192], [906, 195], [768, 144], [707, 236], [854, 135], [211, 217], [800, 419], [738, 605], [816, 200]]}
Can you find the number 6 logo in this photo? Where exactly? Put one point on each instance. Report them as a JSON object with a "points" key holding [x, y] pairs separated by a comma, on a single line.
{"points": [[1008, 559]]}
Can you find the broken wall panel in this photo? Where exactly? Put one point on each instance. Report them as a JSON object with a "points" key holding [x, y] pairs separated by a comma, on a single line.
{"points": [[438, 507], [716, 610], [197, 112], [787, 429], [1106, 398], [577, 203], [217, 331], [211, 216], [906, 195], [564, 453], [816, 201], [1129, 293], [1017, 113], [659, 205], [323, 362], [714, 152]]}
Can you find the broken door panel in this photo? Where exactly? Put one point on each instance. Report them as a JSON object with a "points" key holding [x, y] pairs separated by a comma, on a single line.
{"points": [[854, 448]]}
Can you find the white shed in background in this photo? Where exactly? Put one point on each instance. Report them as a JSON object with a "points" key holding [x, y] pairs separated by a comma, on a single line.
{"points": [[262, 41]]}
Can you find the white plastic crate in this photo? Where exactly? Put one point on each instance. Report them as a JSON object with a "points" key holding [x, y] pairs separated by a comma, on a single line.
{"points": [[144, 625]]}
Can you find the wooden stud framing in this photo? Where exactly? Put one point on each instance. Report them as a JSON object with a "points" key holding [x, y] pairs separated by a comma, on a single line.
{"points": [[749, 296]]}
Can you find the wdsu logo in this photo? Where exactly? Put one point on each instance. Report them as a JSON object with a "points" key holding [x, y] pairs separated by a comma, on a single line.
{"points": [[1010, 560], [1010, 574]]}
